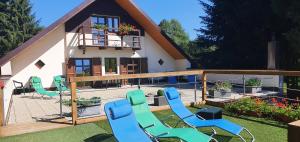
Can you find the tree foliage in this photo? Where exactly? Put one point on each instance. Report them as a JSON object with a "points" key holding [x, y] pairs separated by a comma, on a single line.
{"points": [[241, 30], [176, 32], [17, 24]]}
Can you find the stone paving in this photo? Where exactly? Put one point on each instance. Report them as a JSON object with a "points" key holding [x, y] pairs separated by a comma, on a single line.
{"points": [[32, 107]]}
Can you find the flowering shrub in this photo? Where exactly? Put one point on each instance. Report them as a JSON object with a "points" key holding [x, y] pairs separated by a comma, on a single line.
{"points": [[125, 29], [278, 110], [222, 86]]}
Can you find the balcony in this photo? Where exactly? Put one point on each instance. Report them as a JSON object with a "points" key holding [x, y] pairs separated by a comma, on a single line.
{"points": [[89, 37]]}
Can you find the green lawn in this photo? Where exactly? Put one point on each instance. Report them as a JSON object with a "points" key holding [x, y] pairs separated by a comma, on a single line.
{"points": [[263, 130]]}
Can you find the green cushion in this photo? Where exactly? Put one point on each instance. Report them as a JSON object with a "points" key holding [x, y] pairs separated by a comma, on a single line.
{"points": [[136, 97], [36, 80]]}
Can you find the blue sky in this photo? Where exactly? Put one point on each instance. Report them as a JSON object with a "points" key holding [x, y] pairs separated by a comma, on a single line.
{"points": [[186, 11]]}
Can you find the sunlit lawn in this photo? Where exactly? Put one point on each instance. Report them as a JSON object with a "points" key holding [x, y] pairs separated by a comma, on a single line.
{"points": [[263, 130]]}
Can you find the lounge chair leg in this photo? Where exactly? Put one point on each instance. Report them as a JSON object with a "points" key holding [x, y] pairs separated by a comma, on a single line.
{"points": [[253, 138], [214, 132]]}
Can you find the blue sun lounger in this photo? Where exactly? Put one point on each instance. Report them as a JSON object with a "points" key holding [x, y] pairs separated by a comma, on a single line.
{"points": [[173, 98], [123, 123]]}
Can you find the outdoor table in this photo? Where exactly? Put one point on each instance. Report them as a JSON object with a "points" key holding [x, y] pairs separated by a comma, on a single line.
{"points": [[210, 113]]}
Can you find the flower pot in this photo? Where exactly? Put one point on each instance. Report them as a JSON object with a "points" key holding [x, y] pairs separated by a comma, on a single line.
{"points": [[88, 111], [160, 101], [253, 89], [219, 94]]}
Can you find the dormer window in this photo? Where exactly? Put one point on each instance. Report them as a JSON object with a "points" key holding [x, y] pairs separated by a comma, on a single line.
{"points": [[111, 22]]}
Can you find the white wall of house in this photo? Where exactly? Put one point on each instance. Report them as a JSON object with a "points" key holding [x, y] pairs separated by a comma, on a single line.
{"points": [[182, 64], [6, 69], [267, 80], [50, 50]]}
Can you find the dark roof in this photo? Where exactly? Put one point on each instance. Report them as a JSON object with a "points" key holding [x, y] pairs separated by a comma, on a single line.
{"points": [[153, 30]]}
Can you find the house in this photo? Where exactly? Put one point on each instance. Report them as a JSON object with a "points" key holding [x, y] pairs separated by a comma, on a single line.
{"points": [[91, 40]]}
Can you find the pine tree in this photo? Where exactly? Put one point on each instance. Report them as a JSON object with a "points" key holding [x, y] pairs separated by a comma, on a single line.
{"points": [[17, 23]]}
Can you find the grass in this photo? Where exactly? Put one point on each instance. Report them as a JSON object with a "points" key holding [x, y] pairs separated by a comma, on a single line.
{"points": [[262, 129]]}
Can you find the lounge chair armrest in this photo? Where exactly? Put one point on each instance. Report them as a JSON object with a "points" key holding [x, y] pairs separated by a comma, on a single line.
{"points": [[200, 117], [149, 126]]}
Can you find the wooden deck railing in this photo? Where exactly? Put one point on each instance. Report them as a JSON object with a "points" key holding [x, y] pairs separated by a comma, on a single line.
{"points": [[203, 73], [1, 103]]}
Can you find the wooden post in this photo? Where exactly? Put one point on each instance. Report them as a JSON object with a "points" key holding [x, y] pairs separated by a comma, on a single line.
{"points": [[74, 103], [1, 103], [293, 131], [204, 87]]}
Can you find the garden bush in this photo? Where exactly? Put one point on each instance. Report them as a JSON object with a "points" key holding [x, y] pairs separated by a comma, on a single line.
{"points": [[281, 111]]}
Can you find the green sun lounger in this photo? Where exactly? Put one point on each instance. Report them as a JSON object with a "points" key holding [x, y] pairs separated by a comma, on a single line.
{"points": [[153, 126], [38, 87], [60, 84]]}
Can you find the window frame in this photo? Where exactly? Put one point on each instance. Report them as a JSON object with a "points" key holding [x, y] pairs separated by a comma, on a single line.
{"points": [[107, 69], [83, 66], [106, 17]]}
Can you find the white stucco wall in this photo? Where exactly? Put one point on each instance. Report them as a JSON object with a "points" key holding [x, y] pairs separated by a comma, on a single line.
{"points": [[182, 64], [6, 69]]}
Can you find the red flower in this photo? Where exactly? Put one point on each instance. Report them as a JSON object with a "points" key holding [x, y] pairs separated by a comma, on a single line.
{"points": [[274, 100], [281, 105]]}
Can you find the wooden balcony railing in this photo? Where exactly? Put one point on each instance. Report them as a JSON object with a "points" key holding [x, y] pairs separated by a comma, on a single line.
{"points": [[89, 37]]}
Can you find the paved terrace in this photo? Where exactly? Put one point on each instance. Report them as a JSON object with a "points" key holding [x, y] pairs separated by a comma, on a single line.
{"points": [[31, 107]]}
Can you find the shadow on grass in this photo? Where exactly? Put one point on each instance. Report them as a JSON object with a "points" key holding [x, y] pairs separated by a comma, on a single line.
{"points": [[101, 138], [222, 138]]}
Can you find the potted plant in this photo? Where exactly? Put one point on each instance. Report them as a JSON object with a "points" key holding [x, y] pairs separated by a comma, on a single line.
{"points": [[159, 98], [86, 107], [100, 27], [253, 85], [220, 89], [125, 29]]}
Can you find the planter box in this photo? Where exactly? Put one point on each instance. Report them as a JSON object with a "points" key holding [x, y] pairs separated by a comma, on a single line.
{"points": [[253, 90], [160, 101], [219, 94], [92, 110]]}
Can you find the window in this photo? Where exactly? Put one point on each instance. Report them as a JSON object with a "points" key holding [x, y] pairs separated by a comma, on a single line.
{"points": [[112, 22], [83, 67], [40, 64], [111, 65]]}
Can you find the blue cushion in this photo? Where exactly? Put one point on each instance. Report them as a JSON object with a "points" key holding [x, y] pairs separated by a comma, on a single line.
{"points": [[172, 93], [120, 109]]}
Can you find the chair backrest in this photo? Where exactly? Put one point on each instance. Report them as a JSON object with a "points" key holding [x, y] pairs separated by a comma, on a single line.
{"points": [[36, 82], [143, 114], [122, 120], [59, 83], [172, 80], [173, 98]]}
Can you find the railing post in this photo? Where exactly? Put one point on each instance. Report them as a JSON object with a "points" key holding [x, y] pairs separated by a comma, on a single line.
{"points": [[74, 102], [204, 87], [195, 88], [1, 103]]}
